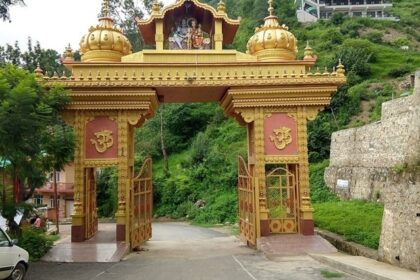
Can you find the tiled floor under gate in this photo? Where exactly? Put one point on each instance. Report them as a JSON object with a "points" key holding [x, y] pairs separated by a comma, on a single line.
{"points": [[294, 244], [101, 248]]}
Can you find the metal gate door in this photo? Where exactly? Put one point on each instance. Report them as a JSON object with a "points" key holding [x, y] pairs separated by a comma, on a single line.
{"points": [[247, 204], [90, 198], [282, 201], [142, 205]]}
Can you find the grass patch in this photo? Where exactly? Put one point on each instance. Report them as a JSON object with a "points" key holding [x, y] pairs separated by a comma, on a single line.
{"points": [[357, 221], [329, 274]]}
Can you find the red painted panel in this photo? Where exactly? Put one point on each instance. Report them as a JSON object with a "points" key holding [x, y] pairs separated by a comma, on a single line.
{"points": [[99, 125], [278, 121]]}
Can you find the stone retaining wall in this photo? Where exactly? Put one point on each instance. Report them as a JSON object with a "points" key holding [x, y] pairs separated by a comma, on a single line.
{"points": [[380, 161]]}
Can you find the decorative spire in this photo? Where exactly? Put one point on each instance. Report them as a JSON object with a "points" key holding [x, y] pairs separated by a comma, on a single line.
{"points": [[340, 69], [68, 54], [272, 20], [270, 7], [308, 53], [221, 7], [105, 12], [38, 71], [155, 7]]}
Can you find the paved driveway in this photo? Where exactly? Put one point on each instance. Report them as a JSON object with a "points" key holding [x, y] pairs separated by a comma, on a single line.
{"points": [[181, 251]]}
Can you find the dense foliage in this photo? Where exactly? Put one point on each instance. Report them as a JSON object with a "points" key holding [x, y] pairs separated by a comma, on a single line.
{"points": [[34, 138], [36, 242], [5, 6], [48, 60]]}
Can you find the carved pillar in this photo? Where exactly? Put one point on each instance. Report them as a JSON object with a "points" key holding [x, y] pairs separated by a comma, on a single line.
{"points": [[259, 170], [124, 177], [78, 217], [306, 210], [218, 35], [159, 35]]}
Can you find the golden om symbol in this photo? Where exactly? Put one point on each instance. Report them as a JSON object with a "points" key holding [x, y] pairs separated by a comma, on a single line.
{"points": [[103, 141], [281, 137]]}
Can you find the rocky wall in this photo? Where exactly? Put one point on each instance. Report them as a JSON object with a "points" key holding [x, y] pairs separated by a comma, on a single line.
{"points": [[380, 162]]}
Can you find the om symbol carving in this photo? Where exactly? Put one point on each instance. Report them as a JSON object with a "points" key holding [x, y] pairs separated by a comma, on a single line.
{"points": [[103, 141], [281, 137]]}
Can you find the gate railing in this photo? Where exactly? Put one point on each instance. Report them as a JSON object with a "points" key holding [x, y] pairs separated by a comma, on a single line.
{"points": [[141, 205], [282, 201], [247, 204]]}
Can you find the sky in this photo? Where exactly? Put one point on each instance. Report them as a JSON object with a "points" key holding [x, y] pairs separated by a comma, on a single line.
{"points": [[54, 23]]}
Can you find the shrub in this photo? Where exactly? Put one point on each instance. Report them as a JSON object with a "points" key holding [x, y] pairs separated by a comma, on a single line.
{"points": [[351, 28], [398, 71], [401, 41], [319, 191], [356, 55], [375, 36], [35, 242]]}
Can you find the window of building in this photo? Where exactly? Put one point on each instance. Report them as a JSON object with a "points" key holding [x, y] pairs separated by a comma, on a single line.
{"points": [[357, 14], [371, 14], [52, 201], [57, 176], [379, 13], [38, 200]]}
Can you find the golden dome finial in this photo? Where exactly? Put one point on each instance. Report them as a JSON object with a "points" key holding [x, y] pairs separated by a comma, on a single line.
{"points": [[340, 69], [104, 42], [38, 71], [68, 54], [105, 12], [155, 7], [272, 41], [308, 53], [270, 8], [221, 7]]}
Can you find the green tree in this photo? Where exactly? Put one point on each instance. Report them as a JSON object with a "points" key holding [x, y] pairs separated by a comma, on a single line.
{"points": [[29, 116], [4, 8], [47, 59]]}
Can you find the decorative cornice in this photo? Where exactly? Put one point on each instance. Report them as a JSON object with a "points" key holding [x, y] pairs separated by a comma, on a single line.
{"points": [[282, 159], [194, 79]]}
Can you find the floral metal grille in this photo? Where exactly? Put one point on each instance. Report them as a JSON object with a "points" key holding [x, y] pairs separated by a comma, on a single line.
{"points": [[282, 201]]}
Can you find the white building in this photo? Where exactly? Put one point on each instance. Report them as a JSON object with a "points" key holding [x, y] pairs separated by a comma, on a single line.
{"points": [[312, 10]]}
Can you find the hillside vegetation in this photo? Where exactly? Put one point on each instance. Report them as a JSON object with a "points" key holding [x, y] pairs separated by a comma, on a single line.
{"points": [[202, 145]]}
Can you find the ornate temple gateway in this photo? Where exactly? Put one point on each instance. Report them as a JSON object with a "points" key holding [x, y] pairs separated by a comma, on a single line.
{"points": [[267, 90]]}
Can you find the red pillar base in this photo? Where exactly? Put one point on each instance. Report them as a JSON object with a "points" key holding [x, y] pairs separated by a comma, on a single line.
{"points": [[307, 227], [265, 227], [77, 233], [120, 232]]}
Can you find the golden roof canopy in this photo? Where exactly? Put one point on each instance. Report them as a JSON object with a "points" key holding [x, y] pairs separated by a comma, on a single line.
{"points": [[104, 42], [272, 41]]}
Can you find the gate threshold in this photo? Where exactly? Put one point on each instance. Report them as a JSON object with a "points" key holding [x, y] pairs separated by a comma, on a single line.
{"points": [[101, 248], [280, 245]]}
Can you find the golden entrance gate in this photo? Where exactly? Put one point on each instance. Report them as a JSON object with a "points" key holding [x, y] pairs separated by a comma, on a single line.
{"points": [[267, 90], [141, 197]]}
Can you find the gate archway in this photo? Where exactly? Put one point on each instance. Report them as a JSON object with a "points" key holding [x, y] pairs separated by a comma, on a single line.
{"points": [[267, 90]]}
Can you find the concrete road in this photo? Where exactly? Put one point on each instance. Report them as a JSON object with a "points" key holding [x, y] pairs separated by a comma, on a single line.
{"points": [[180, 252]]}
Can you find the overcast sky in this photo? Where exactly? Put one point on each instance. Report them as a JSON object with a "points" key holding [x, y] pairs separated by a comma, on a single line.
{"points": [[54, 23]]}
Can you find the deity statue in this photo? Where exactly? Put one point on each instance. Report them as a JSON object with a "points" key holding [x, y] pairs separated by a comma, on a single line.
{"points": [[188, 35]]}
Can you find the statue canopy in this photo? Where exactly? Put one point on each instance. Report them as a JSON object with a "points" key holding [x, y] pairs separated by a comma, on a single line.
{"points": [[188, 24]]}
